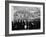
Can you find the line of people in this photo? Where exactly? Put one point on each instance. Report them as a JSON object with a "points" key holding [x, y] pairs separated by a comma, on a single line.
{"points": [[24, 25]]}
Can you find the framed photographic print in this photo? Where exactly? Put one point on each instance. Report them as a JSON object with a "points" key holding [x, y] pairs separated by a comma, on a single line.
{"points": [[24, 18]]}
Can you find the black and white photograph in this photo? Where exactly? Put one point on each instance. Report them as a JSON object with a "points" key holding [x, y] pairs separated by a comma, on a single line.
{"points": [[24, 18]]}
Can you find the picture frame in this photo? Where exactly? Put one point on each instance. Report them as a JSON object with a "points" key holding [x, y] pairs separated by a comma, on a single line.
{"points": [[8, 6]]}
